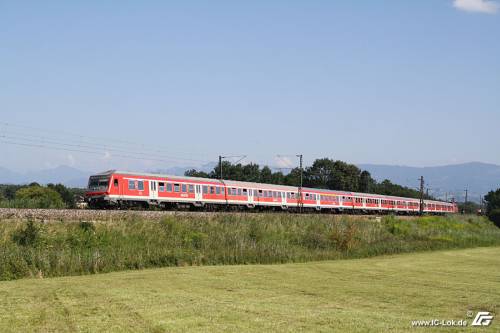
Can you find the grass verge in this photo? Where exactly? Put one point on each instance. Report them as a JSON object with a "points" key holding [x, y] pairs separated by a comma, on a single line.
{"points": [[46, 249]]}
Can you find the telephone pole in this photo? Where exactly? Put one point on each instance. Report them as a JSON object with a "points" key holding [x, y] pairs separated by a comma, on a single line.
{"points": [[300, 203], [465, 203], [481, 204], [220, 167], [421, 195]]}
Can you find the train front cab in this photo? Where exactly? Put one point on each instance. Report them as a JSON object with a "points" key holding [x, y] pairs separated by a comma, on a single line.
{"points": [[98, 190]]}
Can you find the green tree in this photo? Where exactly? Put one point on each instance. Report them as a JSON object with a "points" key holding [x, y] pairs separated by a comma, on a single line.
{"points": [[468, 208], [66, 194], [40, 197], [493, 206], [293, 177], [195, 173], [492, 200], [266, 175], [366, 182], [251, 172]]}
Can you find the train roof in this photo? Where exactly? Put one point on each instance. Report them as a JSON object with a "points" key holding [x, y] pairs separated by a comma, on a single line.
{"points": [[254, 184]]}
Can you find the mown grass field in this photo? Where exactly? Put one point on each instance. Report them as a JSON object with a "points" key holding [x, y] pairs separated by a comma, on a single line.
{"points": [[381, 294]]}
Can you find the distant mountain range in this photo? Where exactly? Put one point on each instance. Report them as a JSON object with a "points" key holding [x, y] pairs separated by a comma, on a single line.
{"points": [[73, 177], [442, 181], [66, 175]]}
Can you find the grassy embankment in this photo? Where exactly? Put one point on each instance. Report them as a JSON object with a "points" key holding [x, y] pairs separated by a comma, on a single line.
{"points": [[382, 294], [35, 249]]}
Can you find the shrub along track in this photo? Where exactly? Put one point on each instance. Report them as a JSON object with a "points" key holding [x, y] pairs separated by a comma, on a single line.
{"points": [[100, 215]]}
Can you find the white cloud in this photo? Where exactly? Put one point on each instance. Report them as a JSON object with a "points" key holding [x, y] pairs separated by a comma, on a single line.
{"points": [[71, 160], [283, 162], [479, 6]]}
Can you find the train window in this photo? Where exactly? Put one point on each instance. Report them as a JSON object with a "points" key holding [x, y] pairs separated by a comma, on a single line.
{"points": [[140, 185], [217, 190], [161, 187], [177, 187], [212, 190], [131, 185], [169, 187], [115, 182], [191, 188], [257, 193], [205, 189], [239, 191], [184, 188], [245, 192]]}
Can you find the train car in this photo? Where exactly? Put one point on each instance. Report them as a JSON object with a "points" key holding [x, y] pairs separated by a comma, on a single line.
{"points": [[123, 189]]}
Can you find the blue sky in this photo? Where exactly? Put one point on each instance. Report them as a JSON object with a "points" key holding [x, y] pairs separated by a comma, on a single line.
{"points": [[394, 82]]}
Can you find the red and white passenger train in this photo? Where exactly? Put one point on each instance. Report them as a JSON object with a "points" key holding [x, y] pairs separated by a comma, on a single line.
{"points": [[128, 189]]}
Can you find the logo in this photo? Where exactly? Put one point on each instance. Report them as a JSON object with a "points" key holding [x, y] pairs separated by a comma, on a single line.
{"points": [[483, 318]]}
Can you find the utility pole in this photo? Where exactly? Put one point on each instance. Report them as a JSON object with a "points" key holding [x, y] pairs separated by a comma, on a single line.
{"points": [[421, 195], [427, 192], [300, 201], [220, 167], [481, 204], [465, 203]]}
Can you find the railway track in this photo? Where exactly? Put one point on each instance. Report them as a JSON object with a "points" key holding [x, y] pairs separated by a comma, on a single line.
{"points": [[102, 215]]}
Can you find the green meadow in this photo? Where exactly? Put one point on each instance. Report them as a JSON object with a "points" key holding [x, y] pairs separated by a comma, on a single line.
{"points": [[380, 294]]}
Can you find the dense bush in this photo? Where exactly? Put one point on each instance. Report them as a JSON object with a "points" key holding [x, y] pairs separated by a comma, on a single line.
{"points": [[494, 216], [40, 197], [37, 196], [29, 248], [493, 206]]}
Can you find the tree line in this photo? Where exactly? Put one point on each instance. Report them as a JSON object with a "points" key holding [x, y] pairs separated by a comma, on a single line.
{"points": [[493, 206], [35, 195], [324, 173]]}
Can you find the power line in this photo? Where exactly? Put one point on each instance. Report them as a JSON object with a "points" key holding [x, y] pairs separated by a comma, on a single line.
{"points": [[95, 148], [87, 140], [83, 151]]}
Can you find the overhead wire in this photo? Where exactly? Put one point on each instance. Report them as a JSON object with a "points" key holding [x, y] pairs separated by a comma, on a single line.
{"points": [[98, 142]]}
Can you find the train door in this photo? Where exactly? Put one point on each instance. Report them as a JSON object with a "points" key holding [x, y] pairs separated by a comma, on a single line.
{"points": [[197, 193], [250, 196], [153, 189]]}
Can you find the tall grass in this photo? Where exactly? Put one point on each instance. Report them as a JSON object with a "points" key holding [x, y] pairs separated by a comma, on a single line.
{"points": [[34, 249]]}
